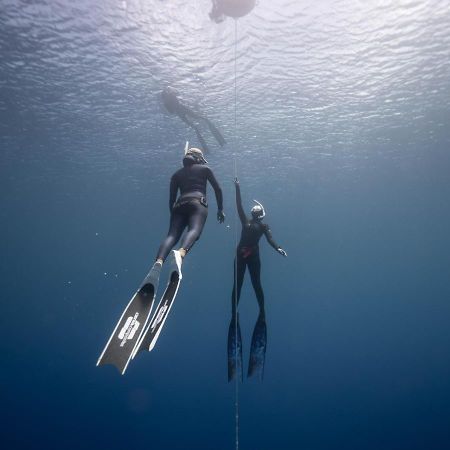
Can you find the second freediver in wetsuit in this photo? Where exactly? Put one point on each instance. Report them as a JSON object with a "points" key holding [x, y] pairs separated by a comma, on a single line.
{"points": [[186, 114], [247, 255], [190, 210]]}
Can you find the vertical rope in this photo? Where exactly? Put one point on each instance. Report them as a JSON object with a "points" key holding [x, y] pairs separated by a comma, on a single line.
{"points": [[236, 402]]}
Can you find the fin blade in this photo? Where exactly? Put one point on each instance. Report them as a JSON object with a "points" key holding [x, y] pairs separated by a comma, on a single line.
{"points": [[235, 366], [153, 330], [120, 346], [258, 350]]}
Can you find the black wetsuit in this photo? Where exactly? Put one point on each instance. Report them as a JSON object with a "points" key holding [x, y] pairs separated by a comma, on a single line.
{"points": [[174, 106], [190, 209], [247, 253]]}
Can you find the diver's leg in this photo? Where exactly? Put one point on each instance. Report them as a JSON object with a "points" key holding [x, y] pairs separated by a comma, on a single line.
{"points": [[215, 132], [259, 337], [187, 121], [197, 131], [193, 114], [195, 222], [254, 267], [201, 140], [177, 224]]}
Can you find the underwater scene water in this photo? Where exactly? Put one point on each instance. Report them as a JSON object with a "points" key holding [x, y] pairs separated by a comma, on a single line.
{"points": [[340, 128]]}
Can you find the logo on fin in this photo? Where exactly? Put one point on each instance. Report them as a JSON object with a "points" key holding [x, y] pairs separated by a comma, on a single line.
{"points": [[129, 329]]}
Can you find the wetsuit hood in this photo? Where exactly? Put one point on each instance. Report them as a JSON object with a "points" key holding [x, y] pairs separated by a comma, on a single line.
{"points": [[195, 155], [188, 161]]}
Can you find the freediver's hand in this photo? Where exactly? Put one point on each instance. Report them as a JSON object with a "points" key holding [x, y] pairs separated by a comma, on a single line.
{"points": [[220, 216], [281, 251]]}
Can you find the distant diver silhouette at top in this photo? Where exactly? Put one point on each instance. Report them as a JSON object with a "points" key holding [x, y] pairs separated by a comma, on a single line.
{"points": [[188, 115], [247, 255], [230, 8]]}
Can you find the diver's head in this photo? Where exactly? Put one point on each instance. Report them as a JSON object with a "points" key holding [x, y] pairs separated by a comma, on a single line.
{"points": [[194, 155], [169, 90], [258, 211]]}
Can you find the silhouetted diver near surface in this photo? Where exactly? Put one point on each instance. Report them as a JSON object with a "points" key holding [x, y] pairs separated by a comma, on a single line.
{"points": [[247, 255], [186, 114]]}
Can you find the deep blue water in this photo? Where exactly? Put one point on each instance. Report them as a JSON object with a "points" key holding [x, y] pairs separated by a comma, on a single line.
{"points": [[343, 134]]}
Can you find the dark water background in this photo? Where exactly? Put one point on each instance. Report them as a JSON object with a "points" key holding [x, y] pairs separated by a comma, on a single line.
{"points": [[342, 133]]}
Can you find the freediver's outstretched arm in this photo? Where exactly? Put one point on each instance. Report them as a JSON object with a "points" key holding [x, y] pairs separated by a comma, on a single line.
{"points": [[271, 241], [240, 209], [219, 195]]}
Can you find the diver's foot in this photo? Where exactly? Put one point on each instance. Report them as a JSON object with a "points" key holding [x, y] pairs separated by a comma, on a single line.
{"points": [[153, 275], [182, 252]]}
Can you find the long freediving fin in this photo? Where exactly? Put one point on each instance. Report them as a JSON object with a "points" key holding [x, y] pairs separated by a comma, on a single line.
{"points": [[234, 350], [258, 349], [153, 330], [120, 346]]}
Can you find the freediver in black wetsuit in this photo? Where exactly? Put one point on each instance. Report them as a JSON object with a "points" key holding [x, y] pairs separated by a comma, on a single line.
{"points": [[247, 255], [190, 209], [186, 114]]}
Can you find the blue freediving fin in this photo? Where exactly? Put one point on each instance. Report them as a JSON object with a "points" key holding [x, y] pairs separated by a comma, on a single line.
{"points": [[234, 350], [258, 349]]}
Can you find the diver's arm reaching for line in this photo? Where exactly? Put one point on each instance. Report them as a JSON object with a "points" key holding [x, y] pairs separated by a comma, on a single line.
{"points": [[270, 240], [219, 196], [240, 209]]}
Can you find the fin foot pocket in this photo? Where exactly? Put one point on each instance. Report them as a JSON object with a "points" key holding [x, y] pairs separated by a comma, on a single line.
{"points": [[147, 290]]}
